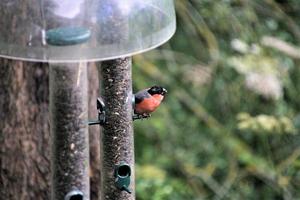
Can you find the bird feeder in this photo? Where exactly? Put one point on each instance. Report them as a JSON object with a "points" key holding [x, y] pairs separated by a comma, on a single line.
{"points": [[68, 34]]}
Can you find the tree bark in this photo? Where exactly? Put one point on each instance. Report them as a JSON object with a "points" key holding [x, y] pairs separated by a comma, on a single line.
{"points": [[94, 132], [24, 130]]}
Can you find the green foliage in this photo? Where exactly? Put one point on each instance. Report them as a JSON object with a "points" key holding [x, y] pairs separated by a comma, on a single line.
{"points": [[229, 126], [265, 124], [153, 183]]}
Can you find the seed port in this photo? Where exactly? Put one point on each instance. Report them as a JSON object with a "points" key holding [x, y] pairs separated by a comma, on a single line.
{"points": [[74, 195], [122, 175], [124, 171]]}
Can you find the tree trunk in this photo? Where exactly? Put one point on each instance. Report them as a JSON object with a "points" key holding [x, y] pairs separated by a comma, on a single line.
{"points": [[94, 132], [24, 131], [24, 139]]}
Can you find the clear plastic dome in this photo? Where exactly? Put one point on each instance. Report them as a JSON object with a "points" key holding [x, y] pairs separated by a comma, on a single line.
{"points": [[83, 30]]}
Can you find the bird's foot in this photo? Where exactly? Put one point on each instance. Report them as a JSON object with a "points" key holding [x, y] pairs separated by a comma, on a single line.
{"points": [[141, 116]]}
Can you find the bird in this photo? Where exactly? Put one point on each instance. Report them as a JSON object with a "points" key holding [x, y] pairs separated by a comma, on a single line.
{"points": [[147, 101]]}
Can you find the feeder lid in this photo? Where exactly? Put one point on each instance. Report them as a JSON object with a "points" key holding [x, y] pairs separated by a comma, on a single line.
{"points": [[83, 30]]}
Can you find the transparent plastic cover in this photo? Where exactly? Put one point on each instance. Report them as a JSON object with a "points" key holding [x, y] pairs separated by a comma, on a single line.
{"points": [[83, 30]]}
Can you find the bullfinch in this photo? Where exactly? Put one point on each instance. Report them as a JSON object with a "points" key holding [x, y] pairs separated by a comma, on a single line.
{"points": [[147, 100]]}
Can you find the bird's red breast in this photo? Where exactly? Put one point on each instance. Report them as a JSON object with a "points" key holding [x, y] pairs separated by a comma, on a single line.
{"points": [[148, 105]]}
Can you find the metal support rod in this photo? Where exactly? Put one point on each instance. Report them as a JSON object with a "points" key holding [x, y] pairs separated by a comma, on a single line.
{"points": [[117, 143], [69, 131]]}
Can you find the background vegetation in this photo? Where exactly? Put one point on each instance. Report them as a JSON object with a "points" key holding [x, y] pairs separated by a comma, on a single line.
{"points": [[229, 127]]}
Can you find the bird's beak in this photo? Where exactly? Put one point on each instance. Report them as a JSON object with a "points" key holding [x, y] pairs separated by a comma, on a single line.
{"points": [[164, 91]]}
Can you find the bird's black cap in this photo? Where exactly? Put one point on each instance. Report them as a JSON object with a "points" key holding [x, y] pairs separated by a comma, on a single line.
{"points": [[157, 90]]}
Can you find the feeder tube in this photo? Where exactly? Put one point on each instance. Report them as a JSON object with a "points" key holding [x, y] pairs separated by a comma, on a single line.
{"points": [[117, 144], [69, 131]]}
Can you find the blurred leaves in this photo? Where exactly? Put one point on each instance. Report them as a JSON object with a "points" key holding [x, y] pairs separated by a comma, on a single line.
{"points": [[228, 128], [265, 124]]}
